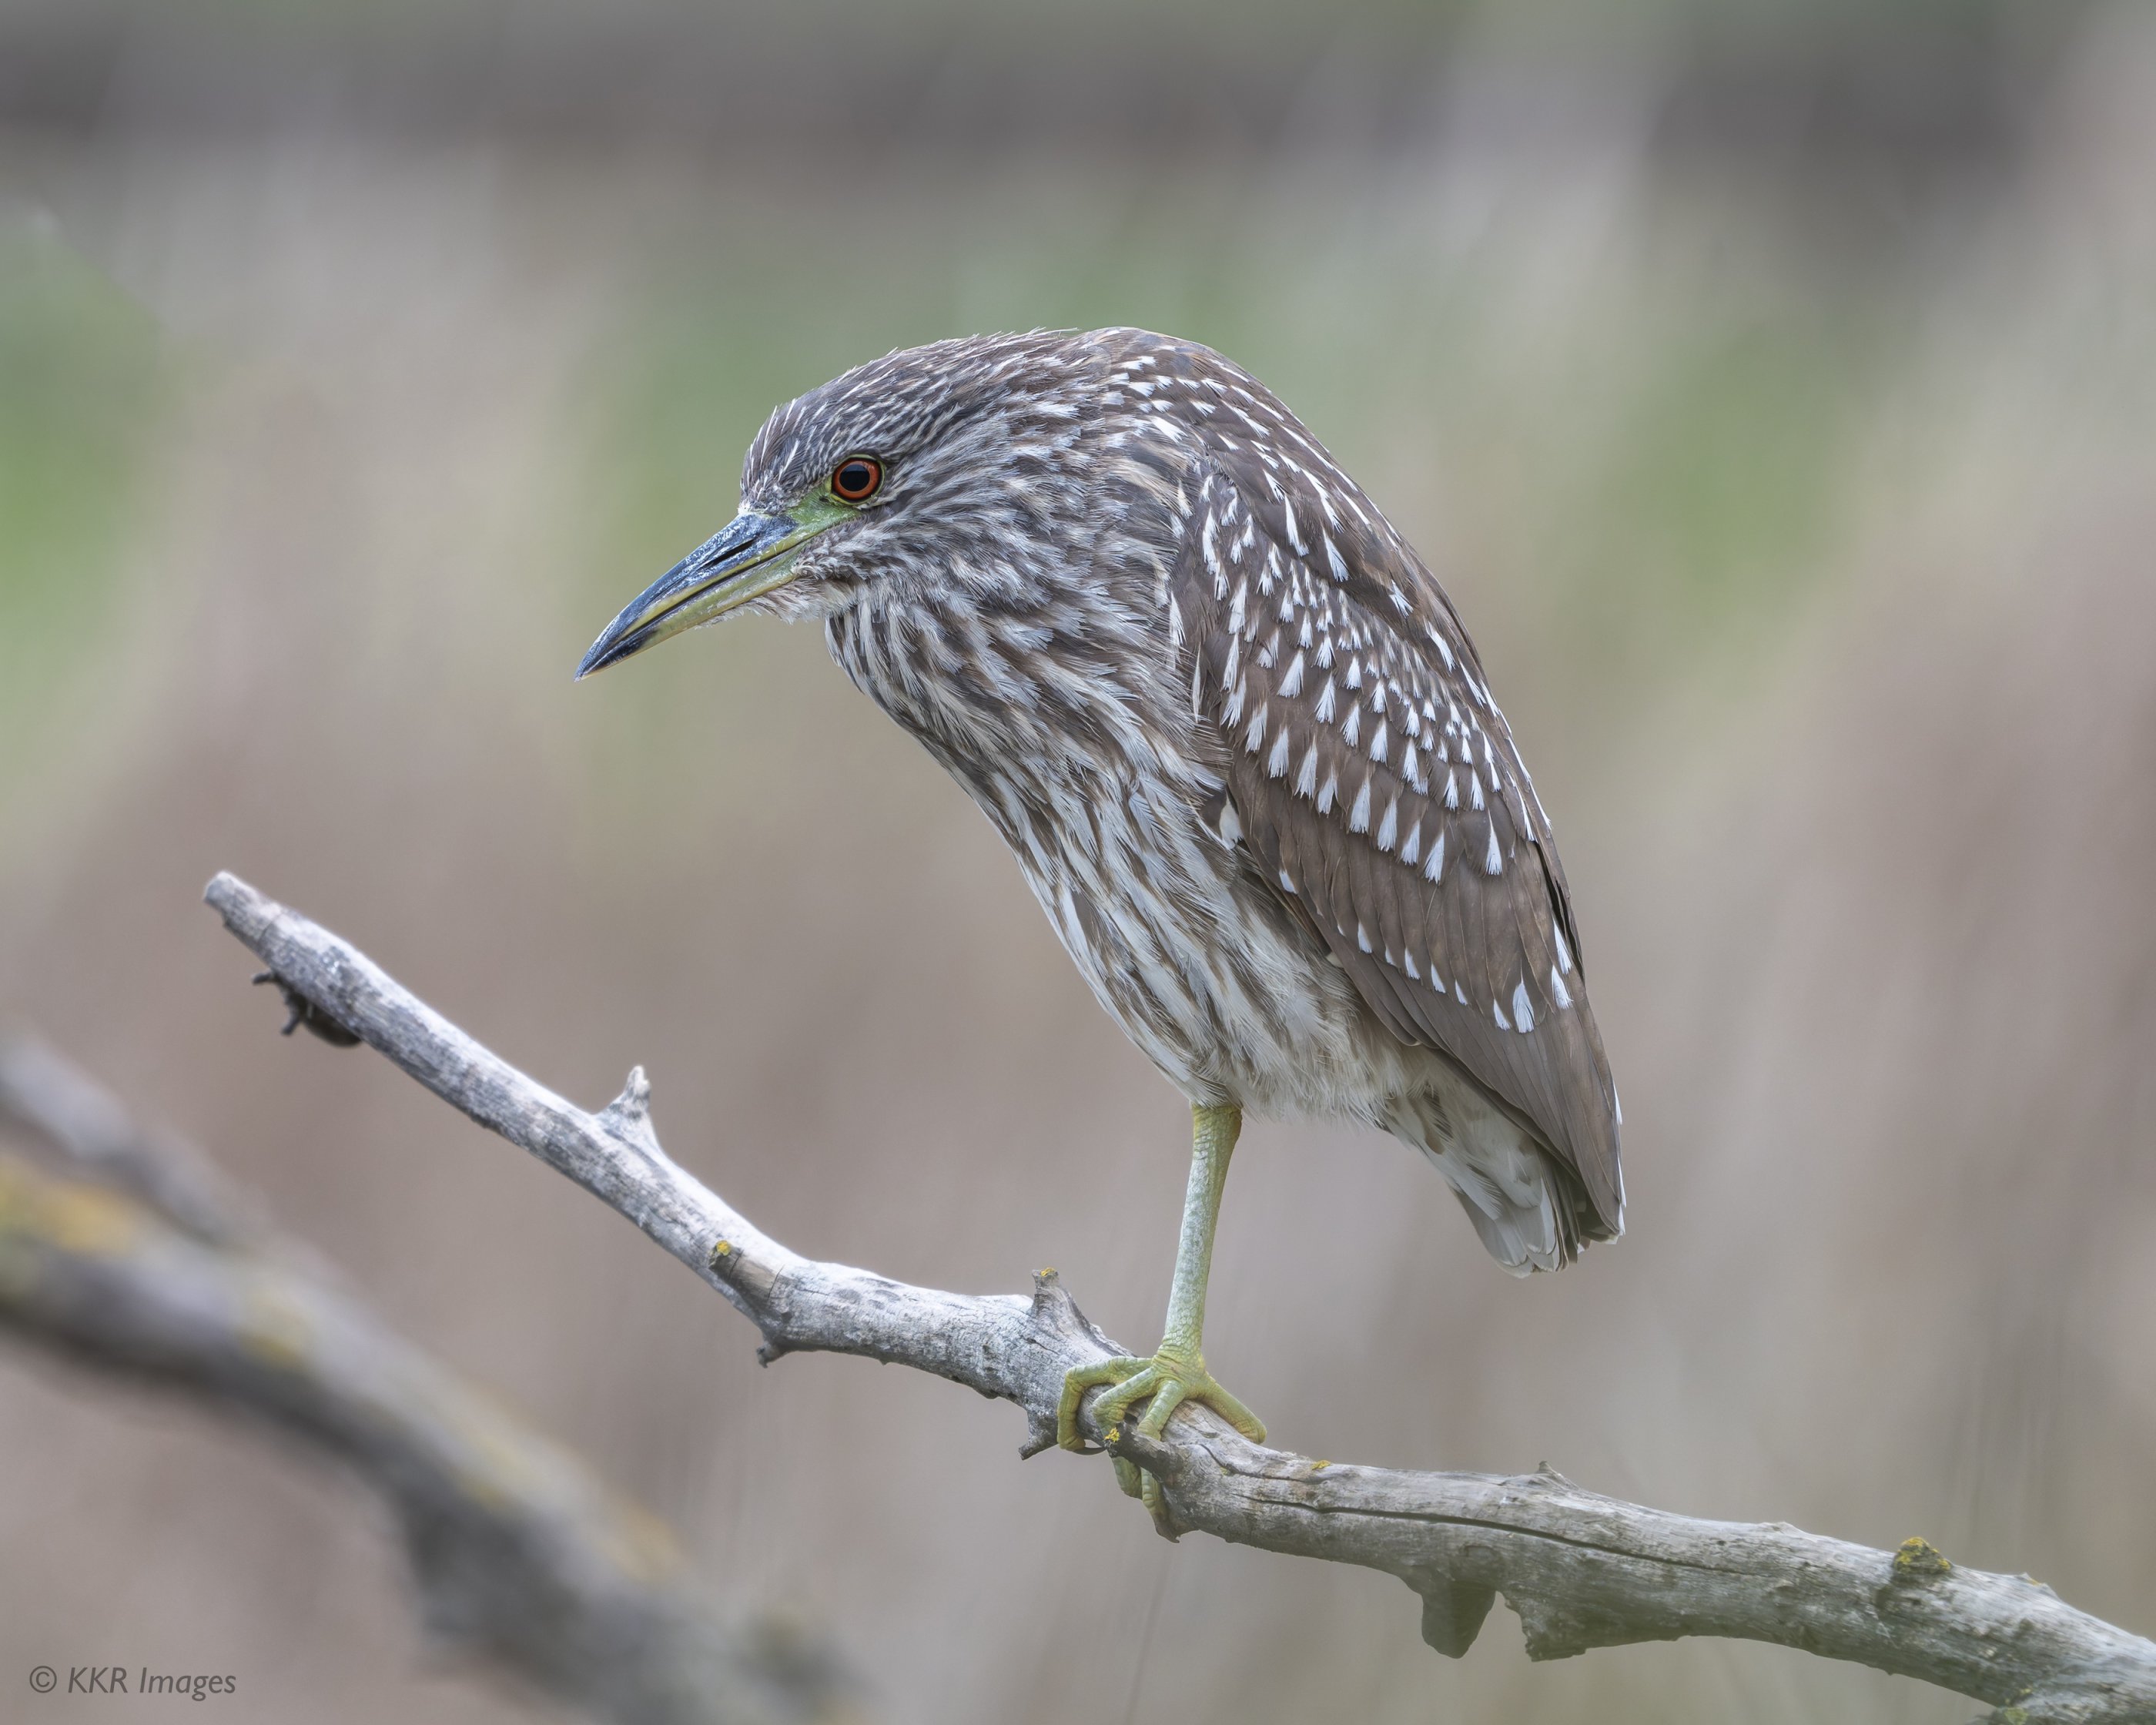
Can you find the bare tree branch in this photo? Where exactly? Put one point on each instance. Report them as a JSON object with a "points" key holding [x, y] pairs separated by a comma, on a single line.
{"points": [[1581, 1570], [46, 1096], [139, 1261]]}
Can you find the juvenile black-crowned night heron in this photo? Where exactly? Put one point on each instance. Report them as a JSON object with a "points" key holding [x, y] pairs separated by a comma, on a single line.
{"points": [[1232, 729]]}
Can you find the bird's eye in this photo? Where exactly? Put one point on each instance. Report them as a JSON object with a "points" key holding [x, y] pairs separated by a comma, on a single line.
{"points": [[856, 479]]}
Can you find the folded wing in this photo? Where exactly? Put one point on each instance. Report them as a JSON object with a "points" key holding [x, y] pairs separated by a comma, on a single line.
{"points": [[1376, 782]]}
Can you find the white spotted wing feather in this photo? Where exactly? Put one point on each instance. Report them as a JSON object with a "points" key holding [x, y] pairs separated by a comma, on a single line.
{"points": [[1375, 781]]}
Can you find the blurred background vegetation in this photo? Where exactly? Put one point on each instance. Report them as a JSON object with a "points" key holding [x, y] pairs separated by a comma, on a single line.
{"points": [[1773, 385]]}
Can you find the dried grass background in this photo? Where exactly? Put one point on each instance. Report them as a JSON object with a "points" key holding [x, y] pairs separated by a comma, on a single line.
{"points": [[1810, 534]]}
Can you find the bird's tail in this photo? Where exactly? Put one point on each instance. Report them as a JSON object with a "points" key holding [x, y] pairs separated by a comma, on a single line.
{"points": [[1530, 1208]]}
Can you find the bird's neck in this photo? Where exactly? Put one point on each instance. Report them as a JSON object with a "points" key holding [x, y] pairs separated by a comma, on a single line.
{"points": [[1026, 704]]}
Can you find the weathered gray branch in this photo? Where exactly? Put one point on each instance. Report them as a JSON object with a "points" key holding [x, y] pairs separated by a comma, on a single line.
{"points": [[1581, 1570], [136, 1258]]}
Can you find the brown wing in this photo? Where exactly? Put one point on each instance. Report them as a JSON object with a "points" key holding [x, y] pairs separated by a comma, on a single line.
{"points": [[1376, 781]]}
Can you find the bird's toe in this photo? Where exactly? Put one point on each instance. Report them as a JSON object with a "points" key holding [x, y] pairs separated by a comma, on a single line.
{"points": [[1077, 1382]]}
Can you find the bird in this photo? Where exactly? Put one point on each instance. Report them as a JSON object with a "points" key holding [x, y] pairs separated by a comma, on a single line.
{"points": [[1232, 730]]}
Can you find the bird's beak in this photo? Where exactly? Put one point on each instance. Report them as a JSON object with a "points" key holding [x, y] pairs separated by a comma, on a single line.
{"points": [[750, 556]]}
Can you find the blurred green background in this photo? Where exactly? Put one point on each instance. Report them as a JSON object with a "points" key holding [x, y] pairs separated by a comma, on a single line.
{"points": [[1773, 386]]}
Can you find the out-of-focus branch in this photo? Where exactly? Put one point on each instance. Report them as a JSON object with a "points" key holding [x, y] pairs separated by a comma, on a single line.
{"points": [[1581, 1570], [133, 1258], [41, 1091]]}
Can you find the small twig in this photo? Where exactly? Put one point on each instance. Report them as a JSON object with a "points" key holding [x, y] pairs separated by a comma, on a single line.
{"points": [[1581, 1570], [519, 1553]]}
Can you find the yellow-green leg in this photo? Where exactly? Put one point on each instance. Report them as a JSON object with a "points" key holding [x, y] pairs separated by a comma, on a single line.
{"points": [[1176, 1374]]}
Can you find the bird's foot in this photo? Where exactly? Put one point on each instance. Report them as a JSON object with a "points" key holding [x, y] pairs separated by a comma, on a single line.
{"points": [[1171, 1378]]}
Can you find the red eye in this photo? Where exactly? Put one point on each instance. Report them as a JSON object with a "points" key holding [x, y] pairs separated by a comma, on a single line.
{"points": [[856, 479]]}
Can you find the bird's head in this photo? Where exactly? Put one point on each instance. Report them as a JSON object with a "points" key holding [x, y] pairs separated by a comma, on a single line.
{"points": [[953, 463]]}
